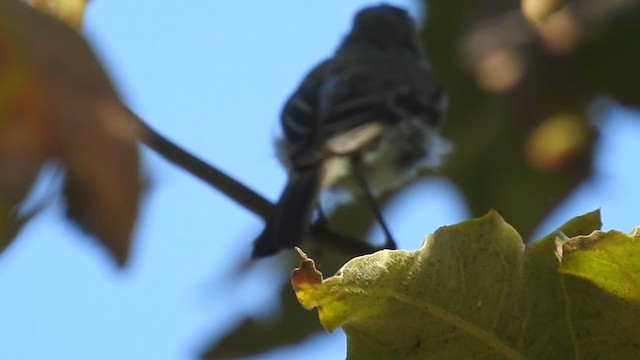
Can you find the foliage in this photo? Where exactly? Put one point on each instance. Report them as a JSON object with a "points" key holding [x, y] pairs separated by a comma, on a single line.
{"points": [[471, 290]]}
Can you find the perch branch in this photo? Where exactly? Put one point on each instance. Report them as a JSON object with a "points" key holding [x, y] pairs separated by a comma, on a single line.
{"points": [[240, 193]]}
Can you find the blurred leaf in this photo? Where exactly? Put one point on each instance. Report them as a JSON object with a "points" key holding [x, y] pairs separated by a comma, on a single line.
{"points": [[539, 10], [288, 326], [61, 104], [21, 150], [608, 55], [292, 325], [10, 224], [471, 291], [68, 11], [557, 140], [507, 89]]}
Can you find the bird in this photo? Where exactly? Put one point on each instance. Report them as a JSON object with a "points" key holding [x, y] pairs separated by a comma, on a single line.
{"points": [[373, 111]]}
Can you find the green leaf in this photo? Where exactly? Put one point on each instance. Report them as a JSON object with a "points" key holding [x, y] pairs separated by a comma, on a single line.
{"points": [[472, 291], [608, 259]]}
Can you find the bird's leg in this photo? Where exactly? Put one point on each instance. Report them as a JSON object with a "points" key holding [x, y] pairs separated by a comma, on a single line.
{"points": [[340, 243], [362, 182]]}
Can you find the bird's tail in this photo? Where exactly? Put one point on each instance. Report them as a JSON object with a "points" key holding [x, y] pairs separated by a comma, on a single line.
{"points": [[291, 217]]}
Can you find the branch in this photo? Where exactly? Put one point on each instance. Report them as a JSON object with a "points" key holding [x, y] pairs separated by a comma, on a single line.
{"points": [[235, 190], [240, 193]]}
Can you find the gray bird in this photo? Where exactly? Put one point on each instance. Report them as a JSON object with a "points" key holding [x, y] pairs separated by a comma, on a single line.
{"points": [[373, 110]]}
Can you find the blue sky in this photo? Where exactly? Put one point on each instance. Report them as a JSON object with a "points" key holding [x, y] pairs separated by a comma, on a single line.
{"points": [[212, 76]]}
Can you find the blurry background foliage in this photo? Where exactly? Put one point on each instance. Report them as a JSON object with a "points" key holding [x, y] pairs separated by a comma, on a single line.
{"points": [[525, 92]]}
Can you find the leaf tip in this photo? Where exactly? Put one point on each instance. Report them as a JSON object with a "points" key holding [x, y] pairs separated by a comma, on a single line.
{"points": [[305, 280], [493, 215], [306, 274]]}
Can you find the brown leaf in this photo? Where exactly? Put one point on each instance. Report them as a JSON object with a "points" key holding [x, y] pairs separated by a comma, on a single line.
{"points": [[80, 120], [21, 148], [68, 11]]}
